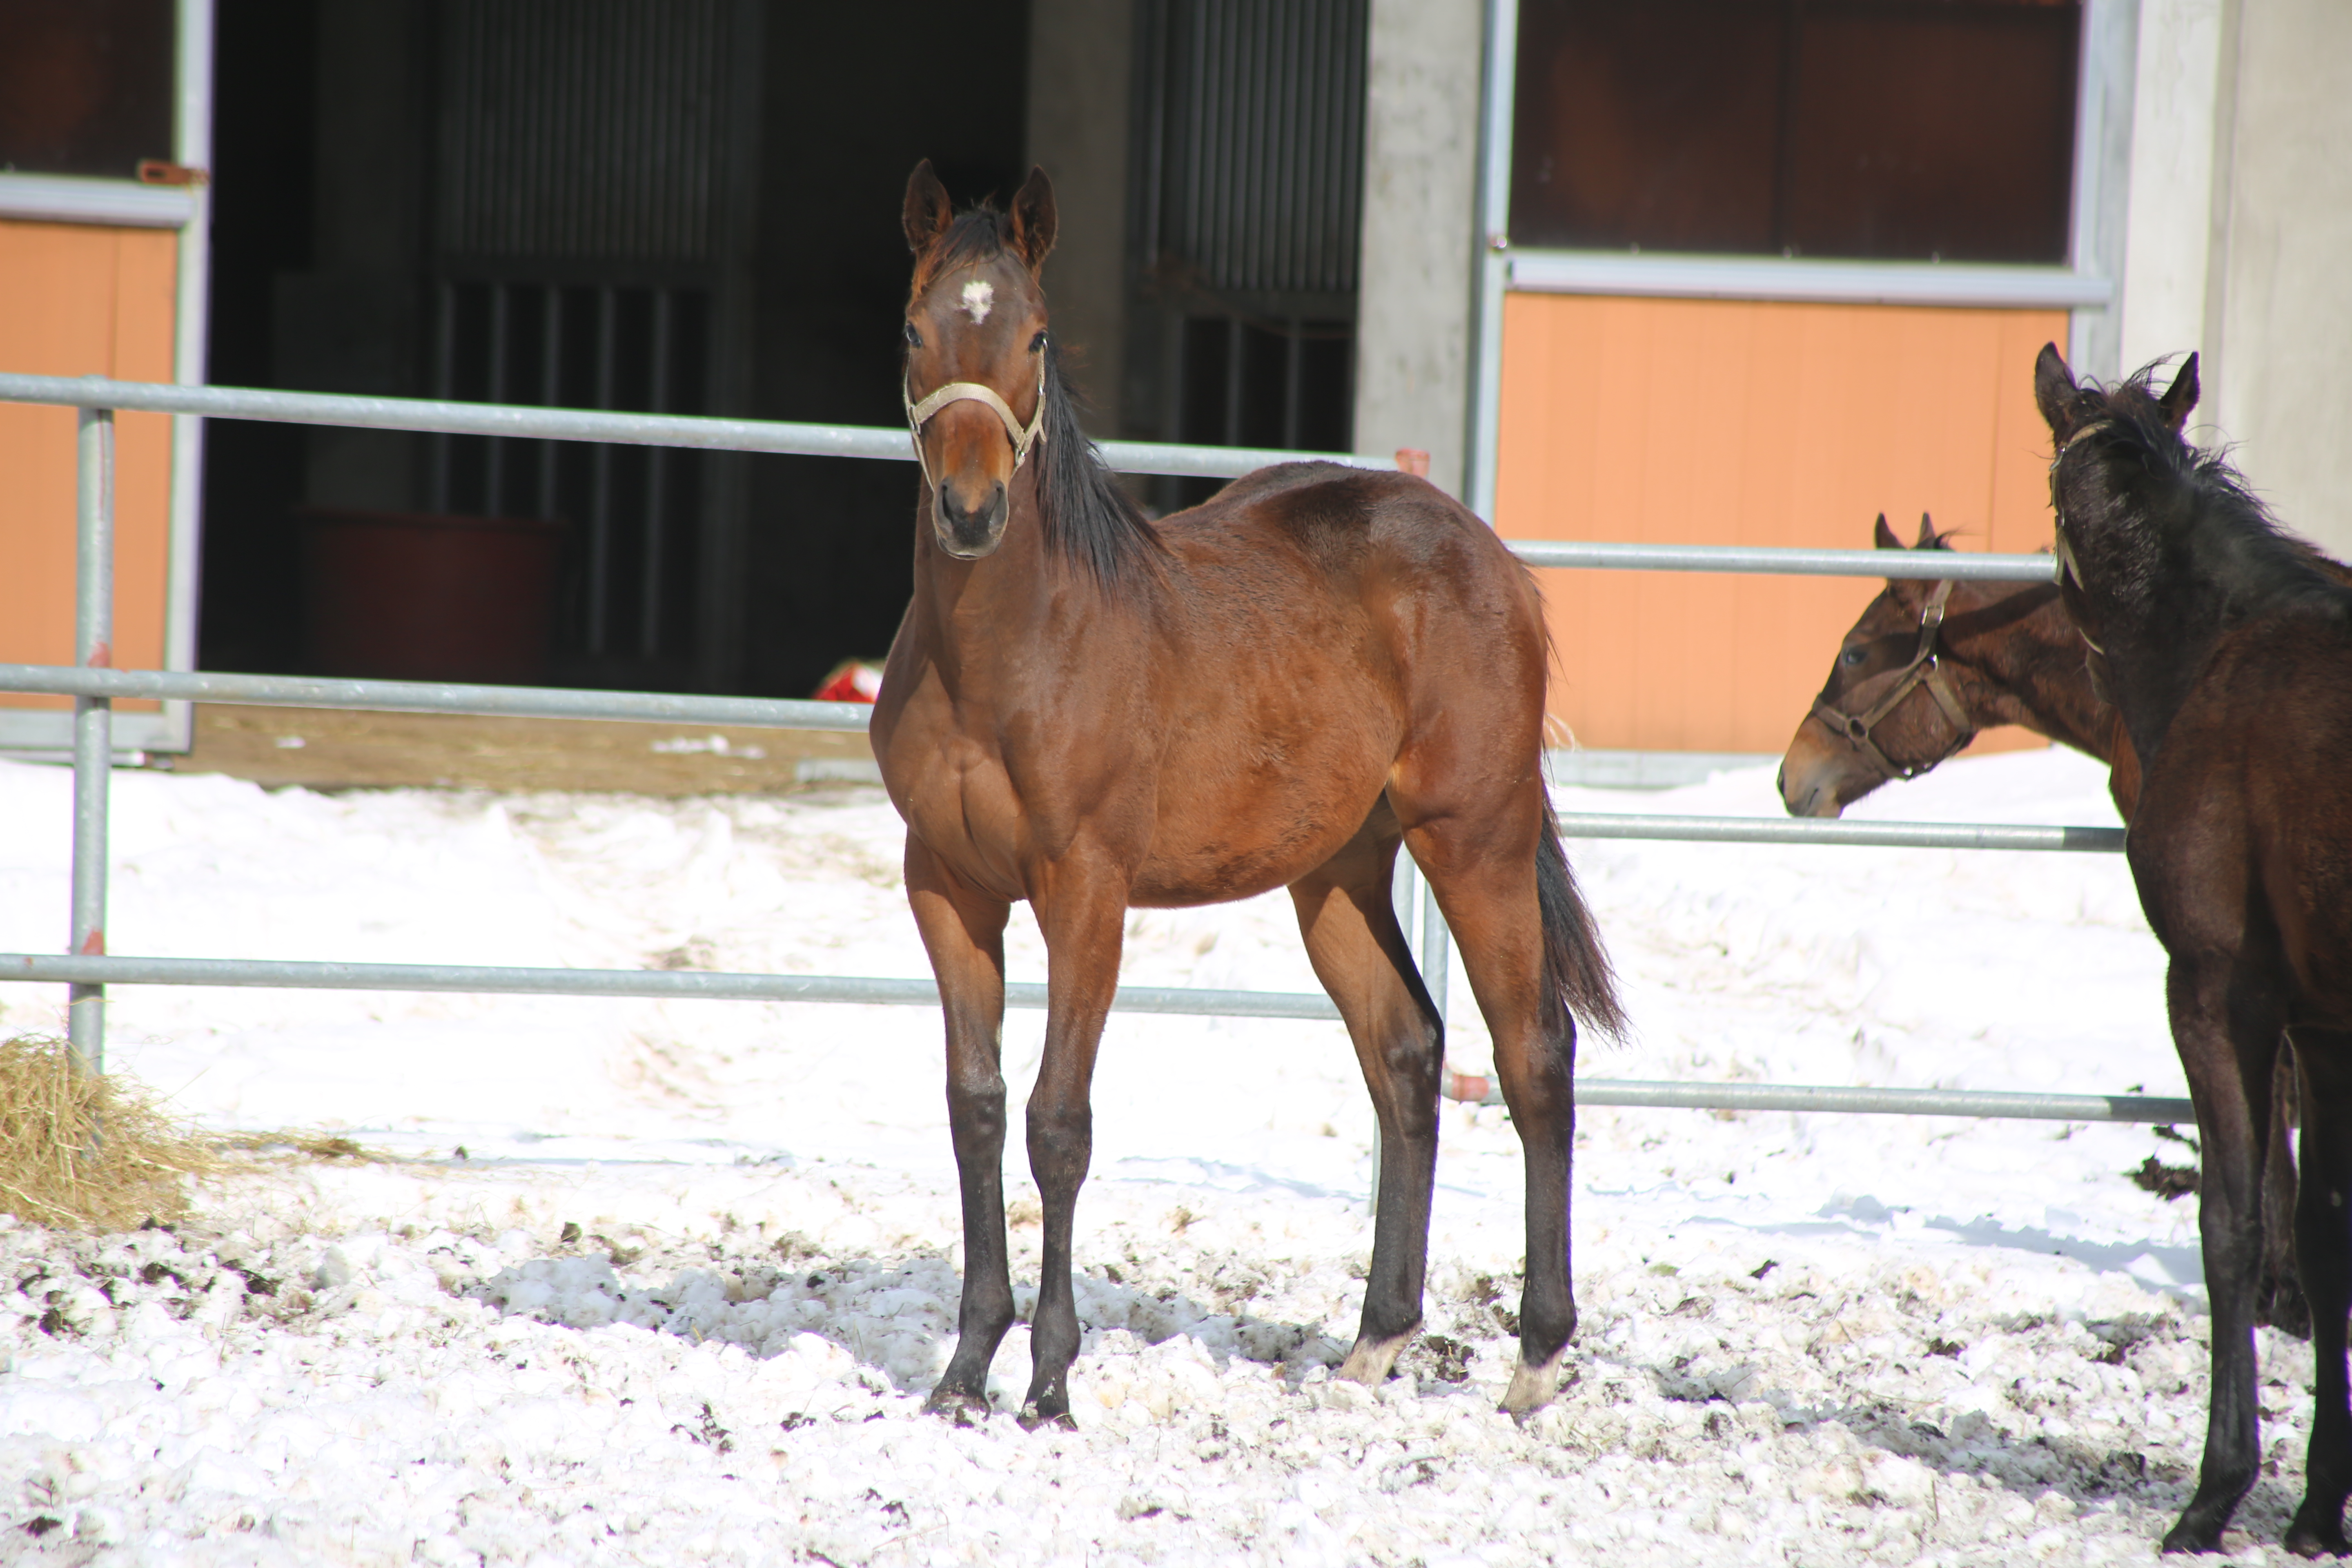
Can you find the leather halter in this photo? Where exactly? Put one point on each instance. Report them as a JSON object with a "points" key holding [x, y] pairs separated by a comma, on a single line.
{"points": [[1923, 670], [1023, 439]]}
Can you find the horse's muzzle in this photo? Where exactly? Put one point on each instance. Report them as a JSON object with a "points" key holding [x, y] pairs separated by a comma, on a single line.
{"points": [[969, 532]]}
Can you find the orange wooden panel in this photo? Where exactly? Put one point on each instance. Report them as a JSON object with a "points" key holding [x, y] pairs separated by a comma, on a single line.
{"points": [[1731, 422], [82, 300]]}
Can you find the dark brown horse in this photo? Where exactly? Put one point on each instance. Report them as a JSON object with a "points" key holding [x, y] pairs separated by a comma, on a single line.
{"points": [[2227, 646], [1274, 689], [2007, 654]]}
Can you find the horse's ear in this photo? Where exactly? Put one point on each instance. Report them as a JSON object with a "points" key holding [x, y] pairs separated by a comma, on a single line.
{"points": [[2053, 392], [2181, 396], [1884, 536], [1034, 220], [1928, 538], [927, 212]]}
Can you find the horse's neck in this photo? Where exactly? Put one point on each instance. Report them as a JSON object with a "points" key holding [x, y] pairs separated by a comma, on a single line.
{"points": [[988, 621], [2035, 676]]}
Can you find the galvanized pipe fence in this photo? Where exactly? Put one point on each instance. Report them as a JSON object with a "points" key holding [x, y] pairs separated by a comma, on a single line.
{"points": [[87, 969]]}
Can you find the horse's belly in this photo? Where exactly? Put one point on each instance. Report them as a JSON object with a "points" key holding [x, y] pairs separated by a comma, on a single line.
{"points": [[1214, 850]]}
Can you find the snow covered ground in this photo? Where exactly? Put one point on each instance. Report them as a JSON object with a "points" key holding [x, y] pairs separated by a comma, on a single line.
{"points": [[666, 1282]]}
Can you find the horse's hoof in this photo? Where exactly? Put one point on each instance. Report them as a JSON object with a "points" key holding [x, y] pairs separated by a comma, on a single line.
{"points": [[1372, 1361], [2185, 1536], [1532, 1387], [1031, 1418], [961, 1405], [2322, 1537]]}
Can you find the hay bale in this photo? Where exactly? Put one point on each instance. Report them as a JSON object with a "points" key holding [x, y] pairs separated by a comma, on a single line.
{"points": [[87, 1152]]}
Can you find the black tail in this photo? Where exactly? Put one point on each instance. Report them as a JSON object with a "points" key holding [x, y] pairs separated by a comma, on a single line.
{"points": [[1576, 970]]}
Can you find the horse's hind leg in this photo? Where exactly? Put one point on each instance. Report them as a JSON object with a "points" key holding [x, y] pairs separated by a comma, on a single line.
{"points": [[2227, 1024], [1359, 955], [964, 933], [2323, 1225], [1482, 865]]}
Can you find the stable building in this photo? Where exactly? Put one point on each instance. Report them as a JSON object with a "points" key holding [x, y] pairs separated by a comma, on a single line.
{"points": [[1694, 270]]}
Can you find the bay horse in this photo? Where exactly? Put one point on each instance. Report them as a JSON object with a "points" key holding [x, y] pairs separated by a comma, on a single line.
{"points": [[2006, 653], [1276, 688], [2226, 645]]}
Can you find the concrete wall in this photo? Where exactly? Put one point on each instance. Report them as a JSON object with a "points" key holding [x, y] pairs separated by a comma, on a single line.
{"points": [[2240, 213], [2281, 326], [1420, 180], [1080, 67]]}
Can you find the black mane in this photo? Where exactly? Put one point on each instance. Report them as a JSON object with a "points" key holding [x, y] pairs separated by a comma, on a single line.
{"points": [[1086, 518], [2198, 509]]}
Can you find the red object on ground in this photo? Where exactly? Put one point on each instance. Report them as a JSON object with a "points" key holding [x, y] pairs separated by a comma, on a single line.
{"points": [[1413, 460], [852, 680]]}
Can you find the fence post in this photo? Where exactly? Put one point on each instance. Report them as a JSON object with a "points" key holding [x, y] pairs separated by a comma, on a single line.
{"points": [[93, 723]]}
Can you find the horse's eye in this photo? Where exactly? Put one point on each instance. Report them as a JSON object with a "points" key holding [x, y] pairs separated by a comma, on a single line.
{"points": [[1857, 655], [1038, 342], [913, 338]]}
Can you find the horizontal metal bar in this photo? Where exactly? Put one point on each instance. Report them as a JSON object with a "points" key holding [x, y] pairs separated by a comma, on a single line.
{"points": [[1939, 565], [1834, 282], [1836, 1100], [885, 442], [1812, 830], [435, 696], [65, 198], [119, 970]]}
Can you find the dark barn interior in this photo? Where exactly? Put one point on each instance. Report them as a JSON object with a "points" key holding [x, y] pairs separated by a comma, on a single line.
{"points": [[692, 207]]}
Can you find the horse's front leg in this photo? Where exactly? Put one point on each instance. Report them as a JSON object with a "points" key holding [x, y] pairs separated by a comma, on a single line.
{"points": [[2227, 1035], [964, 932], [1082, 916]]}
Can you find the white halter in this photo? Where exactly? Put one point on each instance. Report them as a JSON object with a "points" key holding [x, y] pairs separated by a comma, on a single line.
{"points": [[919, 414]]}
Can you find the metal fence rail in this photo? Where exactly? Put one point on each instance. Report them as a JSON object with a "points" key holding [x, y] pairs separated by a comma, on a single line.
{"points": [[87, 969]]}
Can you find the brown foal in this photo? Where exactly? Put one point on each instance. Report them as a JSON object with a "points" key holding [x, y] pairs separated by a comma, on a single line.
{"points": [[1277, 689]]}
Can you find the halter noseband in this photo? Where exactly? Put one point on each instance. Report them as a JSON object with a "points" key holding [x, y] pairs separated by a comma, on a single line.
{"points": [[1923, 670], [919, 414]]}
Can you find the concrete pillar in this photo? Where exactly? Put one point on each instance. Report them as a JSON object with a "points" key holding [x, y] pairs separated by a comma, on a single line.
{"points": [[1421, 186], [2282, 323], [2168, 231], [1080, 67]]}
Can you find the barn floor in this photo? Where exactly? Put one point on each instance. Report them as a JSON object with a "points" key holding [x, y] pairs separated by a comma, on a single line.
{"points": [[660, 1282]]}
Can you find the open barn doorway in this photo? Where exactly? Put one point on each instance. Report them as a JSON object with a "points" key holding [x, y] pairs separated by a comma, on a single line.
{"points": [[685, 206]]}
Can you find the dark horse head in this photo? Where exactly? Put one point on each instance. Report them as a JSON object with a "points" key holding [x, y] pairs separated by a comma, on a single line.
{"points": [[985, 397], [2161, 548]]}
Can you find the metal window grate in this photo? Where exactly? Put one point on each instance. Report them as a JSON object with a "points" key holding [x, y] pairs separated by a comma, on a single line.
{"points": [[1256, 157], [581, 129]]}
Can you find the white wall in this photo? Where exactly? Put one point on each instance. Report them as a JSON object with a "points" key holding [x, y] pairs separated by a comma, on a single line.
{"points": [[2240, 216], [1421, 178], [2282, 324]]}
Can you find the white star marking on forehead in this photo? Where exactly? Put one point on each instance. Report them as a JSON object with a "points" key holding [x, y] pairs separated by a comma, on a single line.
{"points": [[979, 299]]}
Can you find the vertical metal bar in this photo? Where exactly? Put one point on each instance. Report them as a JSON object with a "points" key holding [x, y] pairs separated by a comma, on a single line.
{"points": [[1491, 244], [1294, 356], [1235, 341], [600, 504], [1436, 948], [444, 375], [494, 476], [550, 388], [93, 723], [657, 480]]}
